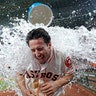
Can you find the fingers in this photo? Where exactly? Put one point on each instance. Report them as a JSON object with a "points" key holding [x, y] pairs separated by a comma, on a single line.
{"points": [[49, 93], [47, 88]]}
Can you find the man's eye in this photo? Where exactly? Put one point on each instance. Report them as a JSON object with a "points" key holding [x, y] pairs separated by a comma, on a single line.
{"points": [[40, 49], [32, 50]]}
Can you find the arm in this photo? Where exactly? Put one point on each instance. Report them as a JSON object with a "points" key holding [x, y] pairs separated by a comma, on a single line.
{"points": [[63, 81], [49, 88], [21, 84]]}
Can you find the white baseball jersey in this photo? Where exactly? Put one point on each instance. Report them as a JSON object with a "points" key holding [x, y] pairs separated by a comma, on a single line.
{"points": [[56, 66]]}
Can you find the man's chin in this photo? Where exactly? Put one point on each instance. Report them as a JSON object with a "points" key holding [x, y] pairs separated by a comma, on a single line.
{"points": [[41, 61]]}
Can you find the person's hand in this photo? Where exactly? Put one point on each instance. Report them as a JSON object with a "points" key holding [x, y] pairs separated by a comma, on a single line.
{"points": [[26, 92], [49, 88]]}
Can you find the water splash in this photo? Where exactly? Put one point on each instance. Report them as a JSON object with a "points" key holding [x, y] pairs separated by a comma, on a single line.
{"points": [[79, 43]]}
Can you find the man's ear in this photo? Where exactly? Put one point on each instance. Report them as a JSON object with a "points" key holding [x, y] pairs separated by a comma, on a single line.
{"points": [[49, 44]]}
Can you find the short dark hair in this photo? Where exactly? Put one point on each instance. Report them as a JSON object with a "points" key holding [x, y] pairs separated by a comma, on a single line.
{"points": [[38, 33]]}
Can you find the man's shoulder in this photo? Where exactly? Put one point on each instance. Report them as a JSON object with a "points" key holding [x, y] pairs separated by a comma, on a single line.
{"points": [[59, 53]]}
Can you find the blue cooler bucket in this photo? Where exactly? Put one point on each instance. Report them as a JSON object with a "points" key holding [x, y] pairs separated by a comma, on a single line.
{"points": [[39, 13]]}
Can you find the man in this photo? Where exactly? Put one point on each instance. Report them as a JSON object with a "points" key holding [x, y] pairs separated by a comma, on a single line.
{"points": [[49, 71]]}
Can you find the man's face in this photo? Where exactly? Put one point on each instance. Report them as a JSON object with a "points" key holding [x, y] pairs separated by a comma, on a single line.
{"points": [[40, 50]]}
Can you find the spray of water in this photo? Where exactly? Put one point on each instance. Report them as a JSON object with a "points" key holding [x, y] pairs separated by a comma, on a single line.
{"points": [[78, 43]]}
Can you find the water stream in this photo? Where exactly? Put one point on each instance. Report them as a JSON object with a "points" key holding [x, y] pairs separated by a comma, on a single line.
{"points": [[79, 43]]}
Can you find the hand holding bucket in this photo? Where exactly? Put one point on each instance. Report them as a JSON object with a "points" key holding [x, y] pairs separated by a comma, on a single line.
{"points": [[40, 14]]}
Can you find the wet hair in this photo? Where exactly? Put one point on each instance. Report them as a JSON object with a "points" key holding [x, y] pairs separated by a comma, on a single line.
{"points": [[38, 33]]}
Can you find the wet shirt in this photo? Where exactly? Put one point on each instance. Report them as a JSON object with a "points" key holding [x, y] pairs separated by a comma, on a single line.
{"points": [[56, 67]]}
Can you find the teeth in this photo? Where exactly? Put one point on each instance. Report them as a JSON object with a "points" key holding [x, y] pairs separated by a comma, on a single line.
{"points": [[40, 57]]}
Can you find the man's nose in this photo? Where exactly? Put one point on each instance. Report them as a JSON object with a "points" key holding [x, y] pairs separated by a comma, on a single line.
{"points": [[37, 53]]}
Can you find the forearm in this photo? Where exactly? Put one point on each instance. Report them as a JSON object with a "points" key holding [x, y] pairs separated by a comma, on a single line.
{"points": [[63, 81], [49, 88], [21, 82]]}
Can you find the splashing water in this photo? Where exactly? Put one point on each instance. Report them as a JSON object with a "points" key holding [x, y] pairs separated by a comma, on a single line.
{"points": [[80, 43]]}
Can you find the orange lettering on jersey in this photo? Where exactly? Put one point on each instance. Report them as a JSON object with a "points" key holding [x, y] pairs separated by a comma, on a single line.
{"points": [[68, 62]]}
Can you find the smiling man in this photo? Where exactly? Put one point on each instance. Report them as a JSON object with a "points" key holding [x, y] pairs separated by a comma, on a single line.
{"points": [[50, 69]]}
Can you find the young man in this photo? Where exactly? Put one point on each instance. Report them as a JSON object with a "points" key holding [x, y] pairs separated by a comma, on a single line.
{"points": [[49, 71]]}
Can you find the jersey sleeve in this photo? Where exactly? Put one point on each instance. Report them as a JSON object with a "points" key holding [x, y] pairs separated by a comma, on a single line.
{"points": [[69, 65], [21, 69]]}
